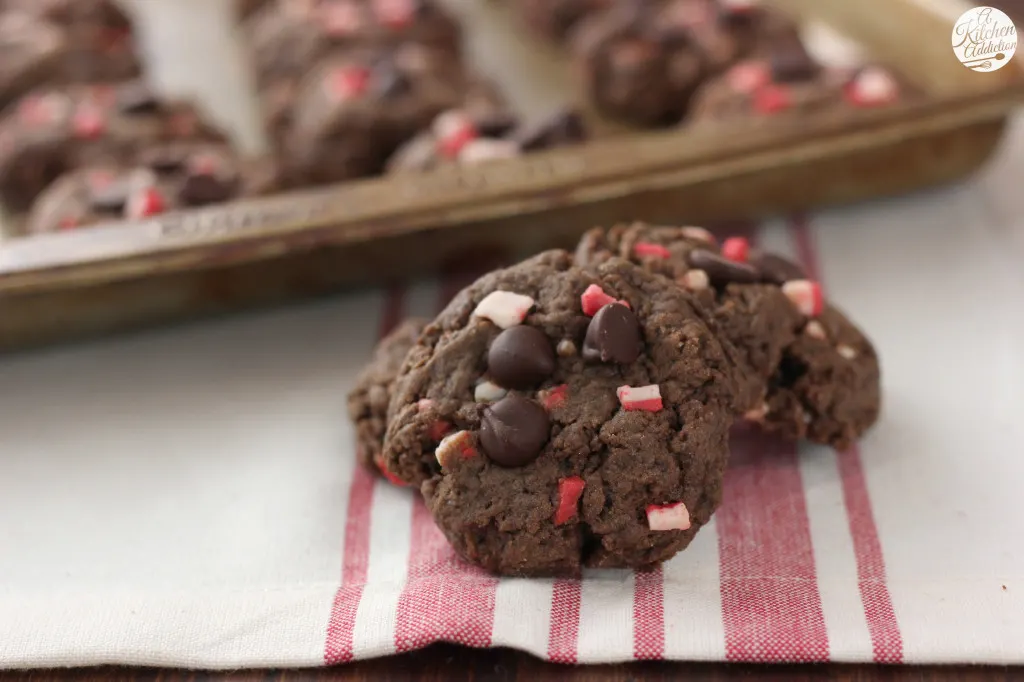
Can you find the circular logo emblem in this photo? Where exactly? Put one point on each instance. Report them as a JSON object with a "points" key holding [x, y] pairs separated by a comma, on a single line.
{"points": [[984, 39]]}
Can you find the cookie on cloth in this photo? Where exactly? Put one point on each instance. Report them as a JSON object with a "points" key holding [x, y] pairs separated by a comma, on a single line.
{"points": [[808, 371], [558, 417], [368, 400]]}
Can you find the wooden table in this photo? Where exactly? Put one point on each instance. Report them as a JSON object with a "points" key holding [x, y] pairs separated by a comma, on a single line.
{"points": [[454, 664]]}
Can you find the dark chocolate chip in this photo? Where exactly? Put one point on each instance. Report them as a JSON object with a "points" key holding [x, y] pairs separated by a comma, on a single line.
{"points": [[495, 124], [200, 189], [164, 159], [137, 98], [109, 197], [790, 62], [565, 127], [776, 269], [722, 271], [521, 357], [613, 336], [513, 431]]}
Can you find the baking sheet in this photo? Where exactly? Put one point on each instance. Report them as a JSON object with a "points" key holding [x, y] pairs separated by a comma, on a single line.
{"points": [[193, 49]]}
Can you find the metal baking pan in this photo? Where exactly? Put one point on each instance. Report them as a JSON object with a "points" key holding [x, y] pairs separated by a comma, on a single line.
{"points": [[207, 261]]}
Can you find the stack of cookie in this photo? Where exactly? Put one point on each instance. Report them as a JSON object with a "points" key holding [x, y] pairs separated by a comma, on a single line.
{"points": [[657, 63], [83, 137], [344, 84], [574, 410]]}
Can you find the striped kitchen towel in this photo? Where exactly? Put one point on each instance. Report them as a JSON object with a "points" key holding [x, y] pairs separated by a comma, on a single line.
{"points": [[190, 498]]}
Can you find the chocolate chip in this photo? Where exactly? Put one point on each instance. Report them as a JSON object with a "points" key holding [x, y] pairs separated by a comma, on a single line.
{"points": [[495, 124], [790, 62], [109, 197], [565, 127], [776, 269], [521, 357], [137, 98], [200, 189], [722, 271], [613, 336], [513, 431], [164, 159]]}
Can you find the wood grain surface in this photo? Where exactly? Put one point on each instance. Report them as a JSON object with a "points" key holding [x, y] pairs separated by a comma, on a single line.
{"points": [[454, 664]]}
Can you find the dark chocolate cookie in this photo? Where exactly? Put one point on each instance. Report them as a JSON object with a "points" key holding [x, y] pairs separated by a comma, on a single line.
{"points": [[53, 131], [808, 371], [560, 417], [169, 177], [460, 136], [369, 398]]}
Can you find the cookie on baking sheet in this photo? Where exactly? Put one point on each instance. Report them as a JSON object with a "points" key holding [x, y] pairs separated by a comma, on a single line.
{"points": [[559, 417], [368, 400], [808, 371], [168, 177]]}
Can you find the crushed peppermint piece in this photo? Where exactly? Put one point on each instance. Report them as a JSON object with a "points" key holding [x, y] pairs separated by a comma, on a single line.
{"points": [[569, 491], [848, 352], [695, 280], [554, 397], [504, 308], [815, 330], [594, 298], [640, 398], [458, 444], [668, 517], [488, 392], [806, 295], [647, 249]]}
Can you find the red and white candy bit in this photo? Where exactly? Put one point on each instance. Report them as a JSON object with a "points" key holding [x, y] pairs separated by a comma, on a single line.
{"points": [[347, 82], [569, 491], [396, 14], [805, 295], [145, 203], [204, 164], [341, 17], [484, 149], [41, 110], [736, 249], [504, 308], [554, 397], [458, 444], [488, 392], [453, 130], [640, 398], [386, 473], [668, 517], [698, 233], [647, 249], [872, 87], [695, 280], [88, 121], [847, 352], [594, 298], [747, 77], [68, 223], [815, 330], [438, 430], [771, 99]]}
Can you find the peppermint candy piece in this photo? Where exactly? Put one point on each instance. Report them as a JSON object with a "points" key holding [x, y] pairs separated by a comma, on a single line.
{"points": [[453, 447], [647, 249], [504, 308], [695, 280], [569, 491], [478, 150], [736, 249], [668, 517], [640, 398], [453, 130], [594, 298], [805, 295], [872, 87]]}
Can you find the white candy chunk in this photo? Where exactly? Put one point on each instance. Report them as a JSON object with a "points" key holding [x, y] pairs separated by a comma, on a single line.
{"points": [[643, 398], [566, 348], [805, 295], [486, 149], [757, 414], [488, 392], [424, 404], [451, 123], [847, 352], [874, 85], [504, 308], [668, 517], [815, 330], [696, 280], [458, 444], [698, 233]]}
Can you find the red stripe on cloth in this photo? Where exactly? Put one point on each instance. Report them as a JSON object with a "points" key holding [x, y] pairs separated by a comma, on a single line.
{"points": [[883, 626], [356, 558], [564, 632], [444, 598], [771, 607], [649, 615]]}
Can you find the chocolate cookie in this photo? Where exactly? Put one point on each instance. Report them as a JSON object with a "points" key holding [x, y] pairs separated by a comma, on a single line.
{"points": [[174, 177], [808, 371], [369, 398], [560, 417], [53, 131], [788, 82], [31, 52], [350, 114], [460, 136]]}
